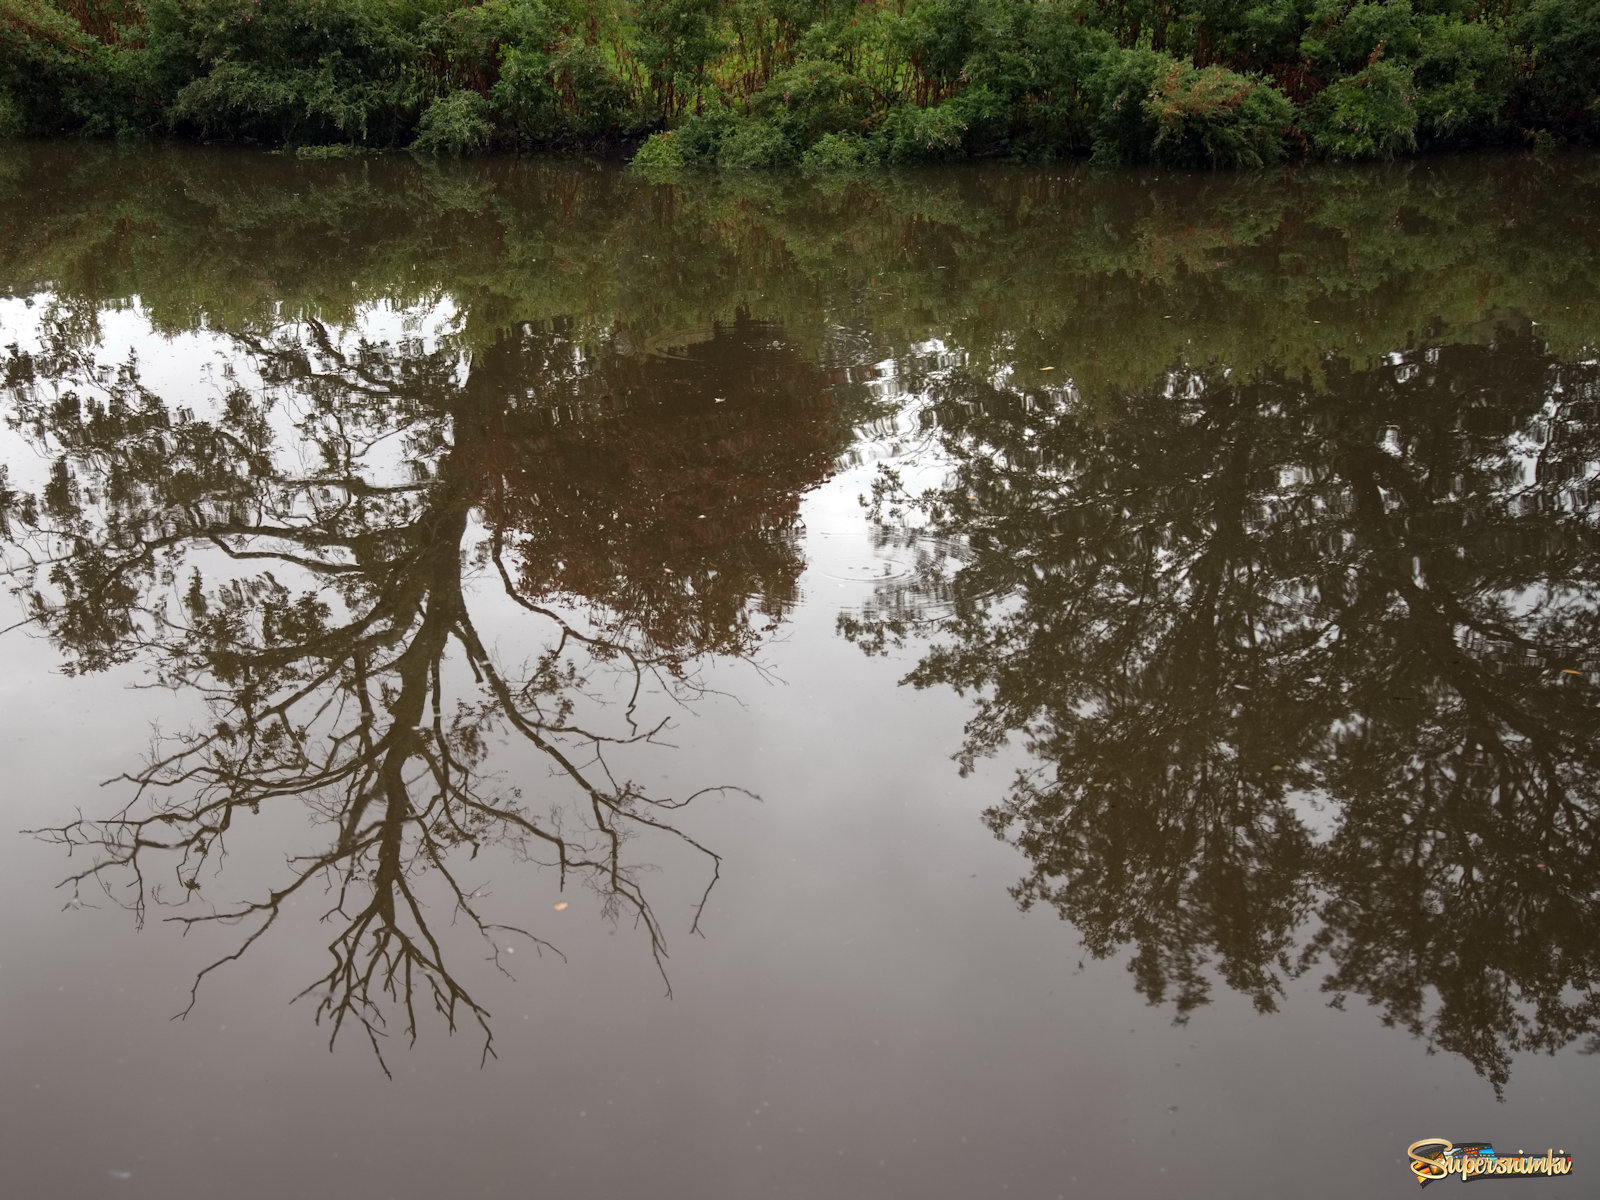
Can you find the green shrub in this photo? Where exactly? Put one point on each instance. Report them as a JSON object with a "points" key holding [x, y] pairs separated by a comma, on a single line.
{"points": [[1120, 124], [457, 123], [676, 41], [753, 143], [544, 83], [1344, 38], [594, 99], [812, 99], [916, 135], [1217, 117], [1033, 62], [696, 142], [524, 98], [939, 36], [661, 152], [835, 152], [12, 124], [1369, 115], [60, 78], [1563, 38], [1465, 79], [1267, 34], [293, 71], [471, 39]]}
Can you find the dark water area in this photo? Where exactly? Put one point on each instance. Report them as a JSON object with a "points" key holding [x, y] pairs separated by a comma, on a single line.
{"points": [[947, 684]]}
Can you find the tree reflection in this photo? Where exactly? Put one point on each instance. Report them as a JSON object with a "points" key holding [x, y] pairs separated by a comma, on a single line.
{"points": [[1308, 674], [304, 558]]}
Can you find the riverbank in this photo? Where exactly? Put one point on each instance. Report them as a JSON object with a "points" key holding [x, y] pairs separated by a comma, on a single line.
{"points": [[764, 83]]}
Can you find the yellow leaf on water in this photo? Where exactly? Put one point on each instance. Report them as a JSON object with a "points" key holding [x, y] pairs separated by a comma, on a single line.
{"points": [[561, 906]]}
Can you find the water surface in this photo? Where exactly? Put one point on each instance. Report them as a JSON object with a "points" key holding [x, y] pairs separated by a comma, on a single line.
{"points": [[945, 684]]}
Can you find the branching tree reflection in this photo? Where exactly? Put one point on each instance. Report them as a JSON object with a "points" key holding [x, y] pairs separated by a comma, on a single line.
{"points": [[303, 558], [1237, 603]]}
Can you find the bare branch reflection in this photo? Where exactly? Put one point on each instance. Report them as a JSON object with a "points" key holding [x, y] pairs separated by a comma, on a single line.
{"points": [[310, 559]]}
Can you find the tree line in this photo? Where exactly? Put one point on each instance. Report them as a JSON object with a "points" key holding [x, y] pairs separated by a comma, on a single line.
{"points": [[827, 86]]}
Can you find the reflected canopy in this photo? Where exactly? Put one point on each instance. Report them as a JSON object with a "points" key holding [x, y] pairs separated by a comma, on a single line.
{"points": [[304, 559], [1263, 521], [1307, 673]]}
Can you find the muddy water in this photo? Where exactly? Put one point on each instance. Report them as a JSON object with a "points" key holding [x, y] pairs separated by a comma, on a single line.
{"points": [[985, 683]]}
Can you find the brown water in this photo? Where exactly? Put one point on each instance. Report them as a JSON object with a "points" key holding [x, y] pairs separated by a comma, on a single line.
{"points": [[955, 684]]}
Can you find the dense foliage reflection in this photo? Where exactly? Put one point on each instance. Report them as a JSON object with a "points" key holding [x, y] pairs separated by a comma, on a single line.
{"points": [[1107, 278], [1308, 674], [1288, 630], [304, 557]]}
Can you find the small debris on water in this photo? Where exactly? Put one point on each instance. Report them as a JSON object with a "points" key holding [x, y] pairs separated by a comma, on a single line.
{"points": [[119, 1174]]}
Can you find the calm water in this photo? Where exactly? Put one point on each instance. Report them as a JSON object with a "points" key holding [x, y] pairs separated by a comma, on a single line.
{"points": [[952, 685]]}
